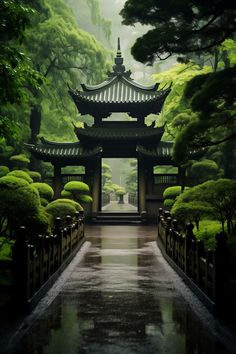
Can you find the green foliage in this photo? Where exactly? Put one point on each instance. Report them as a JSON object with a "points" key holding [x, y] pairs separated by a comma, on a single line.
{"points": [[12, 182], [15, 69], [6, 249], [212, 97], [85, 199], [66, 194], [168, 203], [38, 223], [120, 191], [172, 192], [17, 206], [219, 196], [36, 176], [21, 174], [191, 211], [44, 202], [45, 191], [21, 158], [75, 204], [106, 168], [4, 170], [60, 209], [176, 103], [204, 170], [179, 27], [207, 231], [76, 187], [115, 187]]}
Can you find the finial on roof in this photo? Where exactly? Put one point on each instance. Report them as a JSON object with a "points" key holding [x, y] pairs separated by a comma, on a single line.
{"points": [[118, 48], [118, 54]]}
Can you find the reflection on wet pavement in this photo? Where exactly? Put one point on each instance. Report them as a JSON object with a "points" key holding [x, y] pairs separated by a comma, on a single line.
{"points": [[119, 300]]}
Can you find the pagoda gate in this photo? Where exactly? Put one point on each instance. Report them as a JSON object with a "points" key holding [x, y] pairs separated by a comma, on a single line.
{"points": [[113, 139]]}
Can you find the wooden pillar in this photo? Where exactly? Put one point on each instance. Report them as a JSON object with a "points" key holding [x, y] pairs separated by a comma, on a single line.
{"points": [[96, 186], [57, 181], [142, 186]]}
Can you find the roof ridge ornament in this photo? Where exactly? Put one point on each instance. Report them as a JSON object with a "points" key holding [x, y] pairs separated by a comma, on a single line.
{"points": [[119, 68]]}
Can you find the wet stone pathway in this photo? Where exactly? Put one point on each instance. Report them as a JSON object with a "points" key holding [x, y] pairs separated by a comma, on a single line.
{"points": [[120, 298]]}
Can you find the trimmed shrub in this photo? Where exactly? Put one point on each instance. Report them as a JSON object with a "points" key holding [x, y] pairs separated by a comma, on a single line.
{"points": [[75, 204], [36, 176], [21, 174], [21, 158], [76, 187], [120, 191], [11, 182], [17, 205], [44, 202], [4, 170], [60, 209], [204, 170], [45, 191], [168, 203], [172, 192], [39, 223], [85, 199], [66, 194]]}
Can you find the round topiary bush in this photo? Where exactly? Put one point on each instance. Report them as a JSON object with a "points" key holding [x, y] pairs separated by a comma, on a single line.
{"points": [[172, 192], [4, 170], [75, 204], [60, 209], [39, 223], [21, 174], [76, 187], [20, 158], [66, 194], [45, 191], [11, 182], [204, 170], [36, 176], [85, 199], [168, 203], [18, 204]]}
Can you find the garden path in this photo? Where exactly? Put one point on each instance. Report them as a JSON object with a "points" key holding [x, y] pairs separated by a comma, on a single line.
{"points": [[119, 296]]}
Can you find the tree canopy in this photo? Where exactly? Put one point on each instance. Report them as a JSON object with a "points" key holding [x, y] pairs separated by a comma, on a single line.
{"points": [[179, 27]]}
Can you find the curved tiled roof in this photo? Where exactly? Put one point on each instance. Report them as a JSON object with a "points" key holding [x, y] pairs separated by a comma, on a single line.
{"points": [[138, 134], [47, 150], [119, 93], [163, 150], [120, 90]]}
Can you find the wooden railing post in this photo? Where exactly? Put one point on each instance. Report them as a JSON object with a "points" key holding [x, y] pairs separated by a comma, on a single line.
{"points": [[21, 259], [69, 231], [59, 234], [222, 271]]}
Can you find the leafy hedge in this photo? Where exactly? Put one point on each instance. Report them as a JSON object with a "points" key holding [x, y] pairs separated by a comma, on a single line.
{"points": [[21, 174]]}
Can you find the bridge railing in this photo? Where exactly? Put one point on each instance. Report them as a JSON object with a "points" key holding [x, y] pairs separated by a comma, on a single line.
{"points": [[38, 263], [133, 199], [105, 199], [207, 269]]}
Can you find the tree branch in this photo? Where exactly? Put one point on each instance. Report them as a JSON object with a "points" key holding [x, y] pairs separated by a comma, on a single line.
{"points": [[213, 143]]}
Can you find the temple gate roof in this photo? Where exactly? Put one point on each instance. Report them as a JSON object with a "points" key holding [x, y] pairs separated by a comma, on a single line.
{"points": [[119, 93]]}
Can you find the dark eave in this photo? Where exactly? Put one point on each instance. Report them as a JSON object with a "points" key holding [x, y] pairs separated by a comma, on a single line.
{"points": [[60, 152], [138, 134], [161, 153], [118, 93]]}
